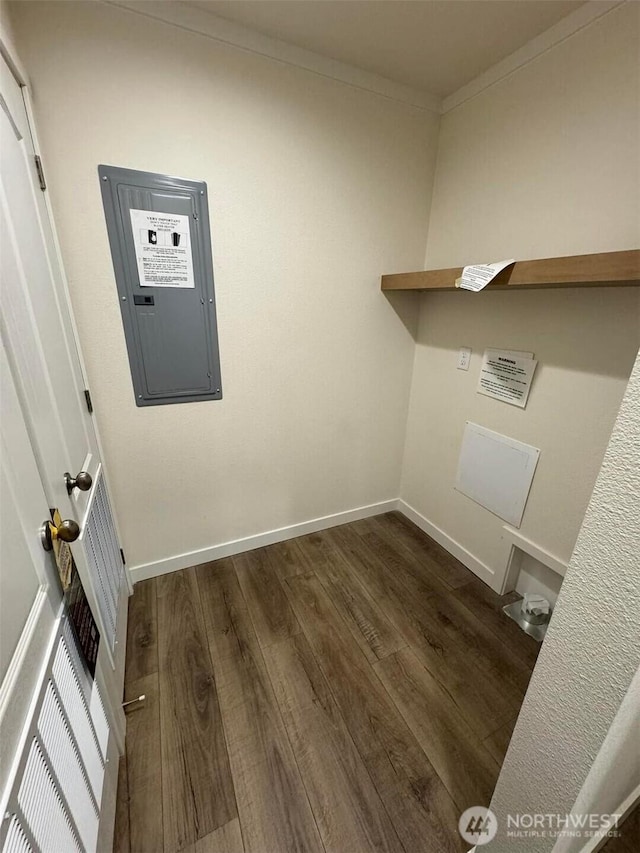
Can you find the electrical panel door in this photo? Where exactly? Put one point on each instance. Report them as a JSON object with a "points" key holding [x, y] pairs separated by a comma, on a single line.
{"points": [[159, 235]]}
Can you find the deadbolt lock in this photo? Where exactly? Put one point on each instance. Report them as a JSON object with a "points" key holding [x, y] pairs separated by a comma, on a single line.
{"points": [[81, 481]]}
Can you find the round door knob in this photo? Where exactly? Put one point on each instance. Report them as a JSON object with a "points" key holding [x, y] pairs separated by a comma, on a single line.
{"points": [[68, 531], [81, 481]]}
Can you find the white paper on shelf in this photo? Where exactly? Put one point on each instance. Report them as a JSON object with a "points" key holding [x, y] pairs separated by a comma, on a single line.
{"points": [[478, 276]]}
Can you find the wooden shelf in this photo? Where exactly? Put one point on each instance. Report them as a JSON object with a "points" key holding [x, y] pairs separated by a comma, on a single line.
{"points": [[606, 269]]}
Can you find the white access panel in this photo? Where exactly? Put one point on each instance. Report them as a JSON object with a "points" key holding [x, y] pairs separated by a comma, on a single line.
{"points": [[496, 471]]}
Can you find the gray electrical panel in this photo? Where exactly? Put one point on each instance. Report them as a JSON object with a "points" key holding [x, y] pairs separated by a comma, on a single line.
{"points": [[161, 249]]}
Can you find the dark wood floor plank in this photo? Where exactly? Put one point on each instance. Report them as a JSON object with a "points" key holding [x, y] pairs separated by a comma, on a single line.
{"points": [[487, 605], [144, 767], [225, 839], [373, 632], [121, 830], [447, 567], [142, 649], [480, 643], [398, 558], [482, 702], [498, 742], [467, 769], [345, 803], [198, 795], [435, 558], [422, 811], [287, 559], [628, 838], [487, 652], [272, 616], [273, 807], [366, 685]]}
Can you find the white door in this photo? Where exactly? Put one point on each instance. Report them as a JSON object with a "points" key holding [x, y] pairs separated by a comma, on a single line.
{"points": [[43, 388], [58, 757], [38, 334], [30, 597]]}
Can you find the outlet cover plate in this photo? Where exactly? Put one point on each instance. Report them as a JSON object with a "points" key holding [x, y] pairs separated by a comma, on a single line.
{"points": [[464, 358]]}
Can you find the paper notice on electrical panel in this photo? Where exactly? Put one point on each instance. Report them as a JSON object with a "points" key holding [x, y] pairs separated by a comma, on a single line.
{"points": [[507, 376], [163, 249], [477, 276]]}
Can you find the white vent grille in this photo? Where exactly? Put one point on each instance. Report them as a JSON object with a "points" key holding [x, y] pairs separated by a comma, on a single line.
{"points": [[78, 716], [99, 719], [89, 688], [105, 561], [16, 841], [43, 809], [66, 764], [55, 803]]}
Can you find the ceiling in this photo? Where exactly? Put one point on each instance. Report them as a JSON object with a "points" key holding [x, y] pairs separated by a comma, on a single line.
{"points": [[434, 45]]}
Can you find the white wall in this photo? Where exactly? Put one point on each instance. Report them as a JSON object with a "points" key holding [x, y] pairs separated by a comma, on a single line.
{"points": [[315, 189], [545, 162], [536, 577], [542, 163], [575, 718], [7, 35]]}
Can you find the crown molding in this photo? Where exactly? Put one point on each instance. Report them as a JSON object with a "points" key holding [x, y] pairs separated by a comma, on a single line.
{"points": [[564, 29], [197, 20]]}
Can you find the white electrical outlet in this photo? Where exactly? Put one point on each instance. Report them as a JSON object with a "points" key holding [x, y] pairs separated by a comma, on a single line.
{"points": [[464, 358]]}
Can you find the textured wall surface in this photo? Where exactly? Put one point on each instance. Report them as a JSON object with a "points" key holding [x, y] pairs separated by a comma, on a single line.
{"points": [[315, 189], [592, 649], [543, 163]]}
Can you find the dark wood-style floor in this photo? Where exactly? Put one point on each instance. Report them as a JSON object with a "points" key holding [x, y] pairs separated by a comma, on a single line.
{"points": [[627, 839], [351, 690]]}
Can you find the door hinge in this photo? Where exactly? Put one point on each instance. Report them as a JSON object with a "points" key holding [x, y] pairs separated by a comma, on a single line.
{"points": [[40, 171], [124, 561], [87, 397]]}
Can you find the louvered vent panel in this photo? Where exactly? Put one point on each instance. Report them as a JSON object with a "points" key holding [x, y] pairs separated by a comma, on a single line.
{"points": [[77, 712], [103, 553], [71, 646], [89, 690], [54, 803], [16, 840], [65, 762], [99, 718], [43, 808]]}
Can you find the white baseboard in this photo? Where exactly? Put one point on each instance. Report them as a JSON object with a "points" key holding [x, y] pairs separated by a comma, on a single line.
{"points": [[281, 534], [459, 551], [250, 543]]}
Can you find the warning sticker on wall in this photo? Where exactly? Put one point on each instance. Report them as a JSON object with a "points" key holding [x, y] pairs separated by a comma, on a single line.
{"points": [[163, 249], [507, 376]]}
